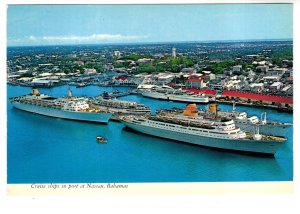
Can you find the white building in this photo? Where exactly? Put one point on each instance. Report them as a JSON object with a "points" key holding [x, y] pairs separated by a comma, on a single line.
{"points": [[276, 71], [164, 79], [256, 87], [174, 52], [212, 76], [237, 68], [41, 83], [144, 60], [232, 85], [276, 86], [117, 54], [90, 71], [271, 78], [22, 71], [262, 68], [45, 74]]}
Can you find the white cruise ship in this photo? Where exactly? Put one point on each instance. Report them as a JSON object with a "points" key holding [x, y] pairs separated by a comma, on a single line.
{"points": [[72, 108], [168, 93], [222, 134], [249, 123]]}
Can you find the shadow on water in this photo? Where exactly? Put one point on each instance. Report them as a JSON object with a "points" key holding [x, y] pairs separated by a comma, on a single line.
{"points": [[209, 164]]}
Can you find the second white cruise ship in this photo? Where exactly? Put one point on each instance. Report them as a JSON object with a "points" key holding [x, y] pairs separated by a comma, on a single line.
{"points": [[222, 134]]}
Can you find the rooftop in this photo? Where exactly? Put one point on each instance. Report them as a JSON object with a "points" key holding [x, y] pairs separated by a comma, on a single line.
{"points": [[253, 96]]}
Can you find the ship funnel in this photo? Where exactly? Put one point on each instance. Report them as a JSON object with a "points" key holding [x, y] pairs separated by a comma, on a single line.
{"points": [[191, 110], [69, 92], [212, 108], [35, 92]]}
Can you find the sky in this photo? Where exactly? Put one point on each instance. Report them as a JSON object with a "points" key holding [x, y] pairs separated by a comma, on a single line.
{"points": [[101, 24]]}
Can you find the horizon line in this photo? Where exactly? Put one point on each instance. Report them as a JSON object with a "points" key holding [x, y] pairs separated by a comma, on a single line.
{"points": [[155, 42]]}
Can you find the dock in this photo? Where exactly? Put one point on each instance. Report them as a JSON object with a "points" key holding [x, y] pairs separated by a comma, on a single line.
{"points": [[256, 105]]}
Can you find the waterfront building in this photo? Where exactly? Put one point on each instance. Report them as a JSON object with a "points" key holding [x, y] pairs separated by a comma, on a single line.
{"points": [[263, 99], [121, 80], [24, 79], [41, 83], [194, 82]]}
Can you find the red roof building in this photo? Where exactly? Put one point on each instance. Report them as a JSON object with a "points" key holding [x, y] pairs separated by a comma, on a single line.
{"points": [[194, 79], [194, 82], [257, 97]]}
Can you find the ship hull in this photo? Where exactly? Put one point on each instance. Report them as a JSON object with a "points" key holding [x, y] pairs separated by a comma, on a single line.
{"points": [[187, 99], [177, 98], [155, 95], [100, 117], [122, 111], [266, 129], [251, 146]]}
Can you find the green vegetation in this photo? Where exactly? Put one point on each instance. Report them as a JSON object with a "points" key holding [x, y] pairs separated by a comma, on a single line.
{"points": [[136, 57], [121, 64], [219, 67], [173, 64], [145, 68], [169, 64], [93, 65], [66, 70]]}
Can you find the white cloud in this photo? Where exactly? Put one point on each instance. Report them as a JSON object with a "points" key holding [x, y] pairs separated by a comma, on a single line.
{"points": [[32, 37], [91, 38]]}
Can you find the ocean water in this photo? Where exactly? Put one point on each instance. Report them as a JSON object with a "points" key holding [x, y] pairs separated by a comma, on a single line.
{"points": [[42, 149]]}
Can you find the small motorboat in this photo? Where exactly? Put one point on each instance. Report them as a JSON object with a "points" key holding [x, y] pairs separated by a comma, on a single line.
{"points": [[101, 139]]}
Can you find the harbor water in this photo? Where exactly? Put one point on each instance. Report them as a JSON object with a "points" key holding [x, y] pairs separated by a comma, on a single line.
{"points": [[42, 149]]}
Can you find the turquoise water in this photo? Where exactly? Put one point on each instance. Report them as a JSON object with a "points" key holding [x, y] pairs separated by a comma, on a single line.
{"points": [[41, 149]]}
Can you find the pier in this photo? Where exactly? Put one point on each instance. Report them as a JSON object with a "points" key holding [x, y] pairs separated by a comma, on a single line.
{"points": [[116, 94], [255, 105]]}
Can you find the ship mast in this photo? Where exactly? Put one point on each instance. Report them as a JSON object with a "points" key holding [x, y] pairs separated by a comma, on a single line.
{"points": [[69, 92], [263, 118], [216, 111]]}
